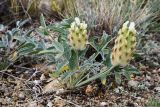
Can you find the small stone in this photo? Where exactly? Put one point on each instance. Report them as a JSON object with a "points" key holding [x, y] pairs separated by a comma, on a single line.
{"points": [[21, 95], [33, 104], [58, 102], [54, 85], [36, 82], [50, 104], [148, 77], [60, 91], [157, 89], [1, 100], [147, 84], [159, 70], [103, 104], [154, 71], [42, 77], [136, 104], [133, 83], [116, 90], [4, 101]]}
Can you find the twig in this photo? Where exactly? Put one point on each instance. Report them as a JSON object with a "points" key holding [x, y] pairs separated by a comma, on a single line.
{"points": [[4, 72], [32, 75], [25, 10], [23, 67]]}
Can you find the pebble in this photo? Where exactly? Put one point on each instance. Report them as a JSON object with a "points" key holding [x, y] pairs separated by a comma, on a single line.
{"points": [[147, 84], [21, 95], [157, 89], [148, 77], [42, 77], [133, 83], [159, 70], [50, 104], [3, 101], [33, 104], [103, 104], [154, 71], [36, 82]]}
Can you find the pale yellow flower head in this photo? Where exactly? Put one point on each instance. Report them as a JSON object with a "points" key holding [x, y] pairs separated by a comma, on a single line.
{"points": [[125, 45], [77, 37]]}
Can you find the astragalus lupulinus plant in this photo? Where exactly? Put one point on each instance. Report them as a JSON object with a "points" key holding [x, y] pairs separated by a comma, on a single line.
{"points": [[122, 51]]}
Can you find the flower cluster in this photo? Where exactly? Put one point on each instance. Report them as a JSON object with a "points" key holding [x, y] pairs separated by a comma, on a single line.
{"points": [[125, 45], [78, 35]]}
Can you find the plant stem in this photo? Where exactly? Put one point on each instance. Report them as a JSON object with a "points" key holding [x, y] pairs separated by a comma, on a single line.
{"points": [[95, 77], [101, 48], [77, 57]]}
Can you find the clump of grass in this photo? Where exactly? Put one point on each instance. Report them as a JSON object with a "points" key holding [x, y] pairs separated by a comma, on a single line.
{"points": [[108, 15], [14, 10]]}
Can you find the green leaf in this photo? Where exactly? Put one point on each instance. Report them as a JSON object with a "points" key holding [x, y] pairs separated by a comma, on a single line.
{"points": [[93, 44], [73, 61], [28, 32], [132, 69], [22, 23], [3, 65], [58, 46], [42, 31], [118, 77], [104, 40], [26, 48], [52, 51], [57, 29], [9, 36], [127, 74], [55, 74], [98, 75], [67, 51], [2, 45], [107, 60], [19, 38], [42, 21], [65, 23]]}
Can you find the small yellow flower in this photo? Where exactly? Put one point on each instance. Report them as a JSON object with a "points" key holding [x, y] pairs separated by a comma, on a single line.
{"points": [[66, 68]]}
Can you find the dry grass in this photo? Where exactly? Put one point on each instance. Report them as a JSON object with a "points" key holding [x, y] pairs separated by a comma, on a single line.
{"points": [[108, 15], [100, 15]]}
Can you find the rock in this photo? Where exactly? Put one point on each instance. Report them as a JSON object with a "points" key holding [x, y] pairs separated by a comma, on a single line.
{"points": [[58, 102], [157, 89], [159, 70], [21, 95], [133, 83], [54, 85], [33, 104], [148, 77], [37, 82], [103, 104], [50, 104], [42, 77], [154, 71], [3, 101], [147, 83]]}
